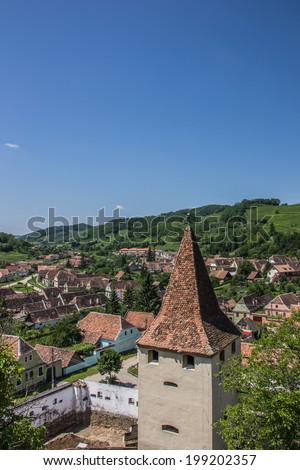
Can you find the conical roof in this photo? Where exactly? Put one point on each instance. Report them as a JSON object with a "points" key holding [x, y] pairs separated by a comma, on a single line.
{"points": [[190, 320]]}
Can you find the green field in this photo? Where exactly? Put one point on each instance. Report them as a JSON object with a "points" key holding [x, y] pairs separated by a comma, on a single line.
{"points": [[285, 218], [12, 256]]}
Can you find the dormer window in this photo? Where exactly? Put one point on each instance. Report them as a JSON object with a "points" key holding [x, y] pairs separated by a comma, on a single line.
{"points": [[188, 362], [153, 356]]}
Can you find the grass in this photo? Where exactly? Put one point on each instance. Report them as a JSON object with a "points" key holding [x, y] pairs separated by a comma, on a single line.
{"points": [[133, 370], [33, 282], [22, 288], [285, 218], [128, 355], [82, 374], [13, 256]]}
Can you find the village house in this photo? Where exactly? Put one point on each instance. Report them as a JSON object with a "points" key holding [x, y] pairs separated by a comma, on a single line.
{"points": [[119, 287], [5, 275], [35, 371], [251, 306], [249, 328], [288, 271], [51, 316], [103, 330], [50, 354], [221, 274], [281, 306]]}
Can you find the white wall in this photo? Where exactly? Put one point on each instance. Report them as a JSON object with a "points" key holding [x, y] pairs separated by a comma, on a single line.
{"points": [[113, 398]]}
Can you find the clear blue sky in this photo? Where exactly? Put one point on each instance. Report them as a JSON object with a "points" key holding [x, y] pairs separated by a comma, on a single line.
{"points": [[155, 105]]}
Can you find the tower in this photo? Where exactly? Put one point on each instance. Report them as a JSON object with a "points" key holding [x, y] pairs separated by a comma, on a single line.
{"points": [[179, 355]]}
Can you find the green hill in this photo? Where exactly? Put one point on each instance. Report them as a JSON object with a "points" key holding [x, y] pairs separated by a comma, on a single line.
{"points": [[256, 227]]}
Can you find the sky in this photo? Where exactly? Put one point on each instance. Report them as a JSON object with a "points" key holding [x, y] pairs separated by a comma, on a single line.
{"points": [[150, 105]]}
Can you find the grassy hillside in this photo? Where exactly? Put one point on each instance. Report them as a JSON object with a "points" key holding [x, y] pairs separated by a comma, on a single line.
{"points": [[285, 218]]}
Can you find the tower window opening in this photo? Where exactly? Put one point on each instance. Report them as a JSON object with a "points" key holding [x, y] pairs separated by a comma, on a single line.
{"points": [[170, 384], [153, 356], [188, 362], [233, 347], [169, 428]]}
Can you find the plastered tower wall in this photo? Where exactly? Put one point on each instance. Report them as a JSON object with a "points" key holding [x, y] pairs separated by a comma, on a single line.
{"points": [[179, 355], [187, 407]]}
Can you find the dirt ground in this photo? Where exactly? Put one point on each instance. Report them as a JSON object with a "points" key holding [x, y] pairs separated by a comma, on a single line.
{"points": [[95, 434]]}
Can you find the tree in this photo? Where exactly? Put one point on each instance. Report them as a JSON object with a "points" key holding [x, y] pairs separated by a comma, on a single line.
{"points": [[268, 413], [113, 305], [65, 334], [150, 255], [128, 298], [272, 230], [147, 297], [15, 432], [110, 361]]}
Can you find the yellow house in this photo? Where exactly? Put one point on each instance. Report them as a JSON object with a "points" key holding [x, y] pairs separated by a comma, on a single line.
{"points": [[35, 371]]}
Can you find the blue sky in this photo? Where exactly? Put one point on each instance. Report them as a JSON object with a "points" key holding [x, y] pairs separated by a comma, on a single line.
{"points": [[155, 105]]}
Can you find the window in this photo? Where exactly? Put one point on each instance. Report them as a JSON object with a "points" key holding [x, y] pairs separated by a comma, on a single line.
{"points": [[40, 371], [131, 331], [169, 428], [222, 356], [99, 395], [188, 362], [26, 376], [107, 398], [130, 401], [30, 357], [54, 401], [93, 395], [26, 359], [31, 375], [18, 382], [233, 347], [125, 333], [153, 356], [170, 384]]}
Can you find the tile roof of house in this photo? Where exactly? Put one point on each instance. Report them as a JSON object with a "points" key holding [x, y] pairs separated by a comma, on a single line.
{"points": [[121, 285], [253, 275], [102, 325], [190, 320], [5, 292], [287, 299], [51, 354], [141, 320], [220, 273], [17, 345], [119, 275], [51, 292]]}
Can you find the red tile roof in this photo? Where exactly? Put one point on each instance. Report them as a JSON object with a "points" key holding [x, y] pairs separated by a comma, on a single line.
{"points": [[18, 346], [51, 354], [190, 320], [141, 320], [102, 325]]}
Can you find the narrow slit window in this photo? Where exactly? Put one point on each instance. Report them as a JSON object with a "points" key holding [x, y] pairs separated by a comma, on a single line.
{"points": [[169, 428], [170, 384]]}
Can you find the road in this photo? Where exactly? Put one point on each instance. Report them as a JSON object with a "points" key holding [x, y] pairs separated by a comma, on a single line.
{"points": [[123, 376], [23, 281]]}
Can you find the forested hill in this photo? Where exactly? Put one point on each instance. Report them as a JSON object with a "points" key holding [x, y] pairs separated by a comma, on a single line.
{"points": [[249, 228]]}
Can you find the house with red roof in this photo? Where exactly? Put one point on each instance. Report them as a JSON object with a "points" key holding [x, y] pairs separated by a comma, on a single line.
{"points": [[104, 330], [35, 370]]}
